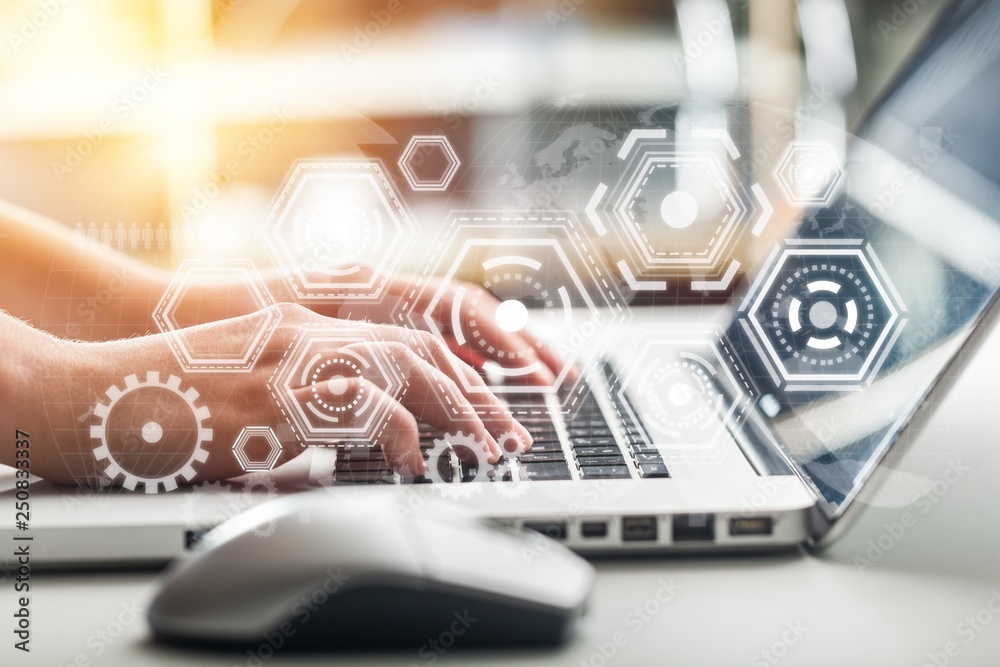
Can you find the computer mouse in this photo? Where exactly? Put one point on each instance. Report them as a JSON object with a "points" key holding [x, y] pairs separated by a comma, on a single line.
{"points": [[311, 571]]}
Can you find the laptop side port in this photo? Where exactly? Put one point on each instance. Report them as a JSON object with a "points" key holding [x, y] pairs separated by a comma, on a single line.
{"points": [[751, 525], [694, 528], [192, 538], [594, 528], [639, 529], [554, 529]]}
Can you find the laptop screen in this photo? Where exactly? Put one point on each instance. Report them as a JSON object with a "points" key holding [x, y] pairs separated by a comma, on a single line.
{"points": [[864, 310]]}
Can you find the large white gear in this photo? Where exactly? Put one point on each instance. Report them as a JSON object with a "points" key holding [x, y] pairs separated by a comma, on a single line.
{"points": [[441, 447], [198, 454]]}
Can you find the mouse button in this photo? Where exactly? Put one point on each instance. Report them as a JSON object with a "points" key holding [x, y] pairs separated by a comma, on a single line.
{"points": [[472, 555]]}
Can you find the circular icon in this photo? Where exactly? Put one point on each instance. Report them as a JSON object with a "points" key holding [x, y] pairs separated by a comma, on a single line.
{"points": [[336, 389], [151, 432], [683, 394], [336, 229], [823, 314], [679, 209]]}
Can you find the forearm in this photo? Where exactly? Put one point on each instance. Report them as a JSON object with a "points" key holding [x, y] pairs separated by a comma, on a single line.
{"points": [[31, 358], [72, 289]]}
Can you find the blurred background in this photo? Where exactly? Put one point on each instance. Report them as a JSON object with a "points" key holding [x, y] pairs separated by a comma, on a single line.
{"points": [[172, 123]]}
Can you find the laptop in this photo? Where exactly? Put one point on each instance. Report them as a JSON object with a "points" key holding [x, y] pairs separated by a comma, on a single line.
{"points": [[757, 423]]}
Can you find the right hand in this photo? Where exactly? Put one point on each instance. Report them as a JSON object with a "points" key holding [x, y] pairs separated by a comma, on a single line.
{"points": [[85, 371]]}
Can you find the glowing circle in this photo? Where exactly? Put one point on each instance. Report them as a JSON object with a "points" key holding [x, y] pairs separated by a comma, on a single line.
{"points": [[680, 394], [823, 314], [678, 209], [512, 316], [152, 432], [337, 385]]}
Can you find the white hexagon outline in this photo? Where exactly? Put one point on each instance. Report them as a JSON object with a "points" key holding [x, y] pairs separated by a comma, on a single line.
{"points": [[503, 220], [709, 338], [878, 348], [239, 448], [293, 410], [417, 141], [788, 189], [719, 243], [269, 317], [370, 171]]}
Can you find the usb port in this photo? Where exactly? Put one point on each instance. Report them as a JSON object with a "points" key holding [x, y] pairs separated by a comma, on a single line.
{"points": [[594, 528], [639, 529], [553, 529], [694, 528], [751, 525]]}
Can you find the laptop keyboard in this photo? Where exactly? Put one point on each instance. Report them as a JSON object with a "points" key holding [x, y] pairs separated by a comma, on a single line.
{"points": [[577, 444]]}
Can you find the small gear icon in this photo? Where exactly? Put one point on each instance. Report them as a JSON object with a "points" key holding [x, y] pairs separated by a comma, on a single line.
{"points": [[208, 488], [140, 416], [270, 491], [441, 448], [511, 444], [512, 488]]}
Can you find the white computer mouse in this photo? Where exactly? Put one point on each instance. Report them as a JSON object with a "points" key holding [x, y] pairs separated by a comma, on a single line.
{"points": [[369, 573]]}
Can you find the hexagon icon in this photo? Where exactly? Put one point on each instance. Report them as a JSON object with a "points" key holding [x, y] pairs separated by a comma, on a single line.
{"points": [[691, 384], [324, 385], [252, 439], [541, 269], [809, 174], [429, 163], [823, 314], [236, 289], [337, 229]]}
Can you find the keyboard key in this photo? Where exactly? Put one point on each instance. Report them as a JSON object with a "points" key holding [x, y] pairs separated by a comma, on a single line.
{"points": [[608, 450], [617, 459], [651, 470], [534, 456], [544, 471], [605, 472], [594, 442], [643, 457]]}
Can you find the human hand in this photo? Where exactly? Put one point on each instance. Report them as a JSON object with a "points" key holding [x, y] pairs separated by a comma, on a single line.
{"points": [[432, 393]]}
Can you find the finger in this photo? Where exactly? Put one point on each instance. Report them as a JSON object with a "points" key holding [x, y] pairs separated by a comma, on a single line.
{"points": [[432, 350], [499, 420], [397, 433], [432, 396]]}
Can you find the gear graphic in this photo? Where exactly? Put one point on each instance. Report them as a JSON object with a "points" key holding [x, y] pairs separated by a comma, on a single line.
{"points": [[270, 491], [510, 443], [153, 394], [511, 489], [191, 501], [441, 448]]}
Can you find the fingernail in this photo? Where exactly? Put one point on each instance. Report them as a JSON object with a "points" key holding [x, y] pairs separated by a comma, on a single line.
{"points": [[494, 448]]}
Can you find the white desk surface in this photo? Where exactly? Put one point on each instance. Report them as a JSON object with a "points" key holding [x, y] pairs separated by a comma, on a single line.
{"points": [[921, 598]]}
